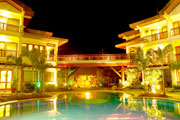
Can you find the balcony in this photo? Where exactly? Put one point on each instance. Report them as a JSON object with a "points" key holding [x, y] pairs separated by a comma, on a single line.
{"points": [[5, 53], [51, 57], [157, 36], [175, 31], [9, 27], [86, 57]]}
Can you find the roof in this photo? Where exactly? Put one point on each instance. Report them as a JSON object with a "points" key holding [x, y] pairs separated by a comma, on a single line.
{"points": [[27, 9], [20, 6], [169, 7], [38, 32], [166, 10], [147, 21], [134, 41], [60, 41], [128, 33]]}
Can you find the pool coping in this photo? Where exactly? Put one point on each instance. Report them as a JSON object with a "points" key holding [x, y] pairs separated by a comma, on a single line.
{"points": [[113, 91]]}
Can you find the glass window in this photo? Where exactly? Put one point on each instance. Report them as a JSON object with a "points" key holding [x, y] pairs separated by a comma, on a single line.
{"points": [[11, 46], [3, 76], [30, 76], [9, 76], [30, 47], [3, 19], [176, 28], [41, 49], [36, 46], [178, 53], [49, 76], [24, 47], [2, 46], [2, 85], [176, 24], [13, 21]]}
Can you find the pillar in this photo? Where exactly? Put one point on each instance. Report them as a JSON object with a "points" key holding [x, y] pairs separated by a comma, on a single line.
{"points": [[122, 74], [20, 78], [66, 76]]}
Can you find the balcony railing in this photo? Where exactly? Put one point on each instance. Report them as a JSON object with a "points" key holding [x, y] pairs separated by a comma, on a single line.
{"points": [[175, 31], [5, 53], [158, 36], [93, 57], [178, 57], [9, 27], [167, 60], [51, 57]]}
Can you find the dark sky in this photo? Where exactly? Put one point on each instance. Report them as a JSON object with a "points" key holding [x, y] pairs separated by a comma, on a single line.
{"points": [[89, 25]]}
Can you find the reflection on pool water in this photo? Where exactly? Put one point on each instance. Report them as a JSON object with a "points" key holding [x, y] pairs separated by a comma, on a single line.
{"points": [[92, 106]]}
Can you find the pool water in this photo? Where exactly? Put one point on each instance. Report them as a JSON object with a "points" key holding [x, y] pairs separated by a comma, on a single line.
{"points": [[92, 106]]}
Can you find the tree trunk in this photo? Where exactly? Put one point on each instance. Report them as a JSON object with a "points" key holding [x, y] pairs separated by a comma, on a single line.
{"points": [[42, 82], [143, 74], [164, 88]]}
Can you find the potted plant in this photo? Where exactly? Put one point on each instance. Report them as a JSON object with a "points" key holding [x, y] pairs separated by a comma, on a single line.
{"points": [[14, 85]]}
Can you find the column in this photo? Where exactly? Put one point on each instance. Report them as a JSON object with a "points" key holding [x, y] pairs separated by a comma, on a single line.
{"points": [[122, 74], [66, 76]]}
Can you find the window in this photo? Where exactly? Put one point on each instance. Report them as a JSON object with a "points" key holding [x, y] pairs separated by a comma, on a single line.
{"points": [[42, 49], [30, 76], [5, 79], [49, 76], [7, 48], [10, 24], [164, 33], [178, 53], [24, 47], [176, 26], [30, 47], [154, 35]]}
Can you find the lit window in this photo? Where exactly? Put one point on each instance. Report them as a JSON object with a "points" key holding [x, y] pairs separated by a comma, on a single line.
{"points": [[3, 76], [9, 76], [41, 49], [24, 47], [30, 47], [36, 46]]}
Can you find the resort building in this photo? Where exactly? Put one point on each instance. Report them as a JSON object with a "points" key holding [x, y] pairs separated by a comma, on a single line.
{"points": [[154, 32], [15, 37]]}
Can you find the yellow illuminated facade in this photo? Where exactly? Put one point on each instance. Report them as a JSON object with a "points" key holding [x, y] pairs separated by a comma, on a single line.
{"points": [[154, 32], [15, 37]]}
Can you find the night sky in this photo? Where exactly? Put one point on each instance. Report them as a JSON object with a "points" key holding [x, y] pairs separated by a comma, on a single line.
{"points": [[92, 27]]}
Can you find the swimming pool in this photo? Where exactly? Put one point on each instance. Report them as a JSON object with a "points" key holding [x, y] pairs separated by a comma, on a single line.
{"points": [[92, 106]]}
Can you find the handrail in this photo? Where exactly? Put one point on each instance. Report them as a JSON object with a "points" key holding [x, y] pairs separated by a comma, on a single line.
{"points": [[9, 27], [158, 36], [5, 53], [79, 57], [175, 31]]}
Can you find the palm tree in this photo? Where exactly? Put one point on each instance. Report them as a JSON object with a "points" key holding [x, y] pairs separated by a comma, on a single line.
{"points": [[143, 62], [17, 61], [162, 54], [175, 66], [38, 62]]}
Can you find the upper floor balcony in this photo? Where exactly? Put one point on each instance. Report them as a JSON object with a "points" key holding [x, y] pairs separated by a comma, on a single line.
{"points": [[163, 35], [158, 36], [9, 27], [5, 53], [90, 57]]}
